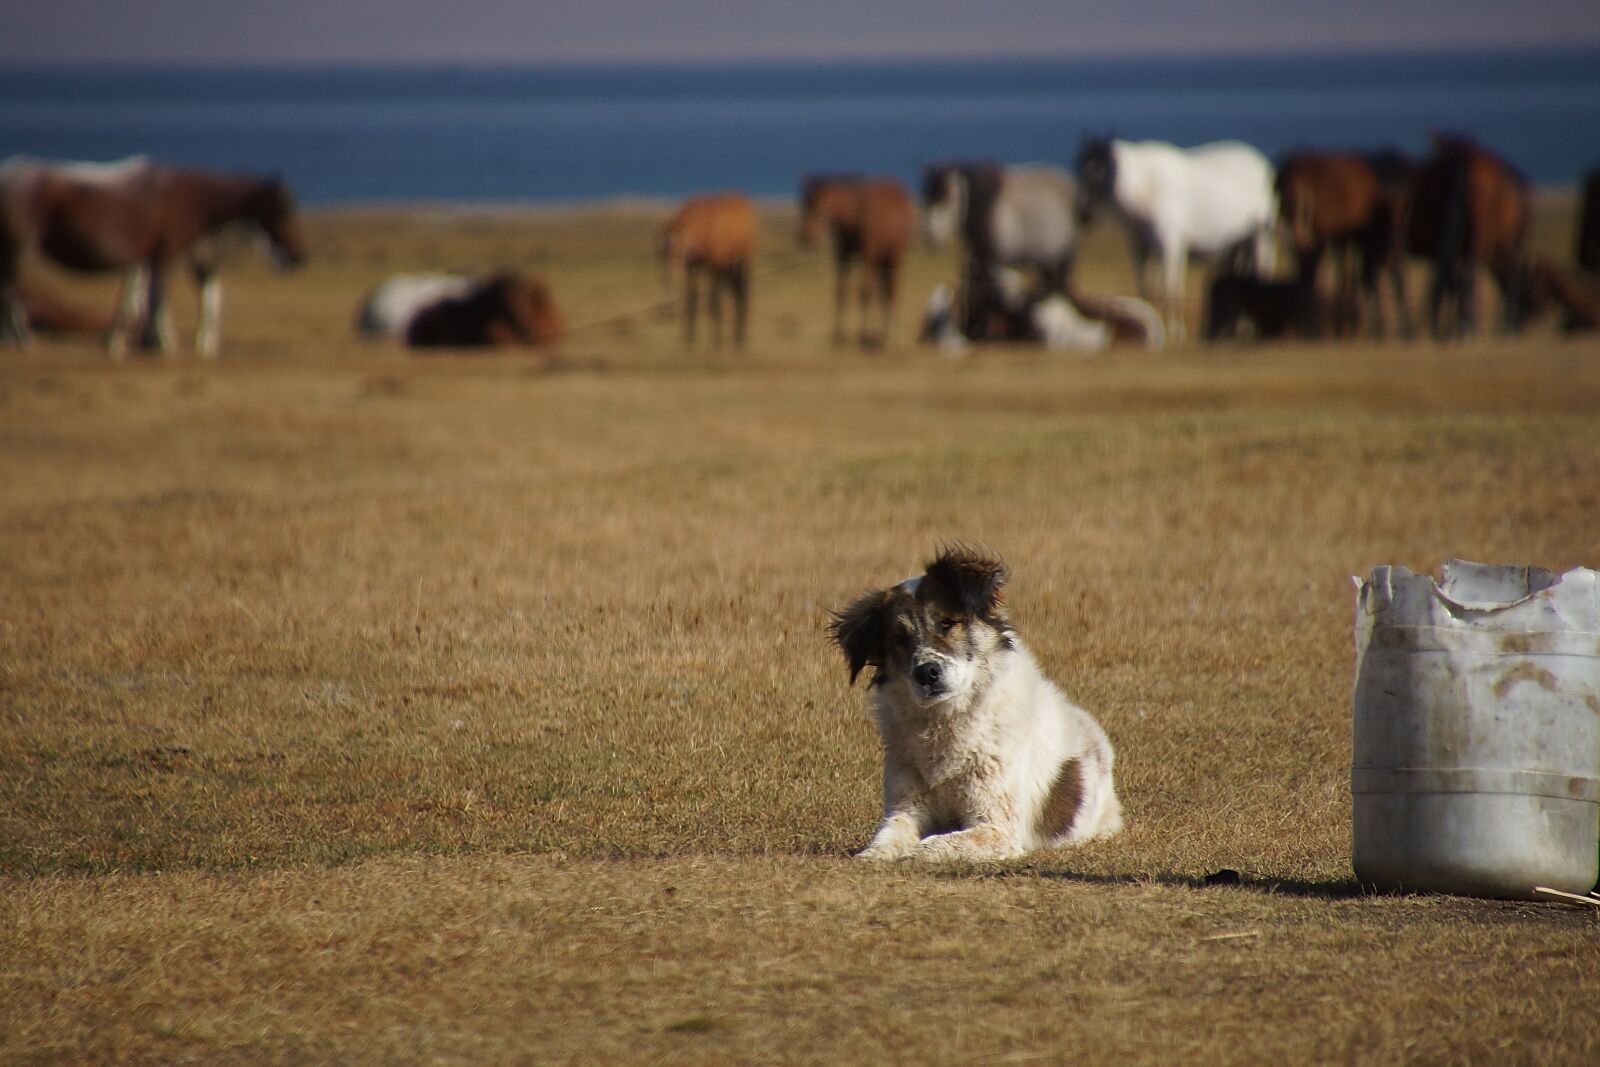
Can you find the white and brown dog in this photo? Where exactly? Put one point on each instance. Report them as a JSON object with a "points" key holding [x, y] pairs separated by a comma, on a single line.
{"points": [[983, 757]]}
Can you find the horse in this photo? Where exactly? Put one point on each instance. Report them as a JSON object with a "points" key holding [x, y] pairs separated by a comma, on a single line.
{"points": [[871, 221], [1019, 216], [504, 309], [1000, 304], [50, 313], [1353, 203], [1215, 199], [136, 215], [1589, 224], [713, 234], [1277, 309], [1469, 206], [1573, 291], [387, 311]]}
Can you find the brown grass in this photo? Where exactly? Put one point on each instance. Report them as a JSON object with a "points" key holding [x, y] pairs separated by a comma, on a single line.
{"points": [[360, 708]]}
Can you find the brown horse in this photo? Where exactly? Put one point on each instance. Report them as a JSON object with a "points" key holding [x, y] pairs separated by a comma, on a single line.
{"points": [[1589, 224], [714, 234], [1352, 203], [139, 216], [871, 220], [1469, 207], [504, 309]]}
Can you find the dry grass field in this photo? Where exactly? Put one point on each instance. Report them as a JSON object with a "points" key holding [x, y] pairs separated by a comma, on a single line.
{"points": [[365, 708]]}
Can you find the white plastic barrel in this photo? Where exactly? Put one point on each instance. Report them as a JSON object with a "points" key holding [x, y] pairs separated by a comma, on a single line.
{"points": [[1476, 764]]}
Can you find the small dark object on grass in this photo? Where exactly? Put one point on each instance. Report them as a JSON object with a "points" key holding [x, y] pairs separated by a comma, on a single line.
{"points": [[1226, 876]]}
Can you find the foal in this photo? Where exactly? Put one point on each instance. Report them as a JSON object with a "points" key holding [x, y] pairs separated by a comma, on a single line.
{"points": [[871, 221]]}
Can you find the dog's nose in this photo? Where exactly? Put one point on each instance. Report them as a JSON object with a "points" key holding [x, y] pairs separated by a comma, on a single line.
{"points": [[928, 675]]}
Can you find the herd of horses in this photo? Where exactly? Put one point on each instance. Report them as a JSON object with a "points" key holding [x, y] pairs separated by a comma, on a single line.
{"points": [[1462, 209]]}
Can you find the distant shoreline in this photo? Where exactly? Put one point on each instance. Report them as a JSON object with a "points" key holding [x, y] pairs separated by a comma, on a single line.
{"points": [[628, 206]]}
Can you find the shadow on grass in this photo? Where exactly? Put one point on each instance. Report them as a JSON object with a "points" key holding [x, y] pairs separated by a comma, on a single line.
{"points": [[1345, 889]]}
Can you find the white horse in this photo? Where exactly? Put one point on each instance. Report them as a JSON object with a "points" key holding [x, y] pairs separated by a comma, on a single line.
{"points": [[1214, 200]]}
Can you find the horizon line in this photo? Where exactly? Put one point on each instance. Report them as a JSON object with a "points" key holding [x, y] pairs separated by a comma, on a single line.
{"points": [[798, 59]]}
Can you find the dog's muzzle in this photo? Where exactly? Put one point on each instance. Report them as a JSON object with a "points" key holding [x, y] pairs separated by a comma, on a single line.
{"points": [[930, 677]]}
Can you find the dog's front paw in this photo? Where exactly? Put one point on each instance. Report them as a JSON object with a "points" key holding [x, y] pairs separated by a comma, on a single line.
{"points": [[876, 853]]}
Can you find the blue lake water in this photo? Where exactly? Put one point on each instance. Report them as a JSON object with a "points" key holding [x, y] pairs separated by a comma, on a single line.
{"points": [[570, 133]]}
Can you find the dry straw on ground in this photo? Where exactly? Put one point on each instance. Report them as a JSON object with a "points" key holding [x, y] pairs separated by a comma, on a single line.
{"points": [[360, 708]]}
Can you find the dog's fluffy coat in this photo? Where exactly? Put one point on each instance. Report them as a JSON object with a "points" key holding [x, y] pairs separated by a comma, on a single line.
{"points": [[983, 757]]}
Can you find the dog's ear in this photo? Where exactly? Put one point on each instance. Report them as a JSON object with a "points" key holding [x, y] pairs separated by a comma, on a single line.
{"points": [[859, 631], [971, 578]]}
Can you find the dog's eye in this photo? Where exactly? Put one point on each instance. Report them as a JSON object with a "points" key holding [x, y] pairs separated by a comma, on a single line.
{"points": [[946, 625]]}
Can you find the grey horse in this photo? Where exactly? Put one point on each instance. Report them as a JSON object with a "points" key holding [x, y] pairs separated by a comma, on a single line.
{"points": [[1022, 216]]}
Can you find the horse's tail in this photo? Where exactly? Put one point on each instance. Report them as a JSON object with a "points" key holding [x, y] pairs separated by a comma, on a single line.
{"points": [[1140, 311]]}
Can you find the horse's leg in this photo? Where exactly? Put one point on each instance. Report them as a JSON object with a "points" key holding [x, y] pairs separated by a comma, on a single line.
{"points": [[691, 301], [208, 334], [739, 277], [1174, 260], [864, 298], [13, 315], [132, 307], [887, 271], [841, 290], [719, 281], [157, 331]]}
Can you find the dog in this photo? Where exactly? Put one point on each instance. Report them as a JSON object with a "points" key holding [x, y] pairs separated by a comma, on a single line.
{"points": [[983, 757]]}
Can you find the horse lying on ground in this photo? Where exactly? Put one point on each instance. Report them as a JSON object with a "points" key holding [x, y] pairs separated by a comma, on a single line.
{"points": [[1469, 207], [1021, 216], [503, 309], [138, 216], [870, 220], [1353, 204], [713, 235], [1214, 200], [1003, 307]]}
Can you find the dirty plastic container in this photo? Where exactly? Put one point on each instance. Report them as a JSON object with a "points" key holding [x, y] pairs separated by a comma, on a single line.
{"points": [[1476, 764]]}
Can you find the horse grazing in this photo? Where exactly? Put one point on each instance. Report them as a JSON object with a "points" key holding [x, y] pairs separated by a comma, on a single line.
{"points": [[1216, 200], [1468, 206], [1589, 224], [1277, 309], [1352, 203], [502, 310], [1017, 217], [871, 221], [139, 216], [714, 234], [50, 313]]}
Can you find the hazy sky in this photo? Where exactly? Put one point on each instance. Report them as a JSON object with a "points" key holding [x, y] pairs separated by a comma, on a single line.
{"points": [[469, 31]]}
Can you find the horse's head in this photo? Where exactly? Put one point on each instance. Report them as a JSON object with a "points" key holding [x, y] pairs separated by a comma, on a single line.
{"points": [[1097, 174], [944, 201], [273, 210]]}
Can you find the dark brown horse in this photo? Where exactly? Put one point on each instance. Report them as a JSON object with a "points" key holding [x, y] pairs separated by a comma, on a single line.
{"points": [[1353, 204], [871, 221], [139, 216], [1469, 207], [714, 235], [1589, 224], [504, 309]]}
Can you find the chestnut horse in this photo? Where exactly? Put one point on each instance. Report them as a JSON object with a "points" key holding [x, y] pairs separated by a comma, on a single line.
{"points": [[139, 216], [1469, 206], [1352, 203], [871, 221], [714, 234]]}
